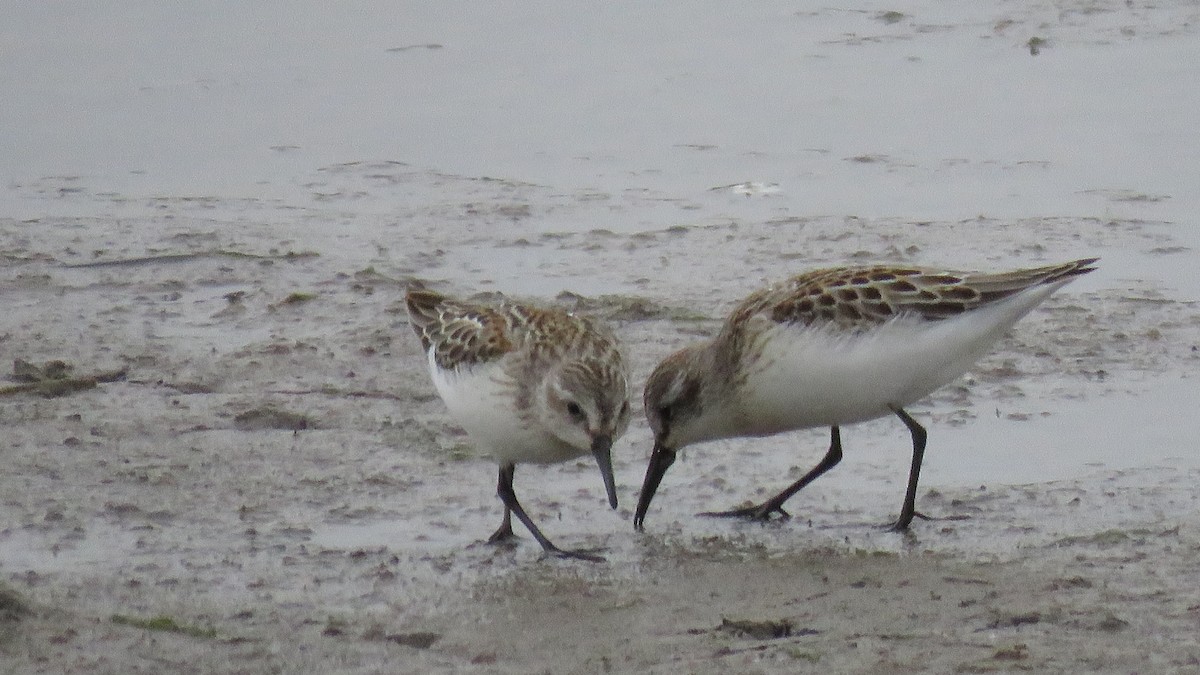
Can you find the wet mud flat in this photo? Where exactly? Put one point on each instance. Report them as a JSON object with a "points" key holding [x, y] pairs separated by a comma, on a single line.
{"points": [[220, 452], [252, 472]]}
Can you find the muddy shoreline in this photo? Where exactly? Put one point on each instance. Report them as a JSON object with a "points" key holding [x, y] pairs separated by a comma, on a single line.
{"points": [[272, 485]]}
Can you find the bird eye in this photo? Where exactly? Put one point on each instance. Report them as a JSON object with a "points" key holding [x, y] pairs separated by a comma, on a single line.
{"points": [[664, 414], [574, 410]]}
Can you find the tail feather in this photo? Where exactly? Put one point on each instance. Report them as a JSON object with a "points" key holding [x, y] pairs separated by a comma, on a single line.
{"points": [[1001, 285], [1032, 276]]}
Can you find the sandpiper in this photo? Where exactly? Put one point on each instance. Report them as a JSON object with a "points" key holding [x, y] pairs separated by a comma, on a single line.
{"points": [[529, 385], [832, 347]]}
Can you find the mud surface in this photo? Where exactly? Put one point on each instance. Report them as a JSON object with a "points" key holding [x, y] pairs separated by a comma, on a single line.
{"points": [[273, 473]]}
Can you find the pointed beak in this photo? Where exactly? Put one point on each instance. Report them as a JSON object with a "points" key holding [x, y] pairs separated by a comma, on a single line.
{"points": [[602, 450], [661, 459]]}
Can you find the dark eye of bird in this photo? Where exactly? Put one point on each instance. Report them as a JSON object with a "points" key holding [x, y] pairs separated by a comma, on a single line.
{"points": [[574, 410]]}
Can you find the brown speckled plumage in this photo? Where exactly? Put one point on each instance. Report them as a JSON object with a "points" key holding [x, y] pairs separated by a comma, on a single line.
{"points": [[465, 334], [528, 384], [857, 298]]}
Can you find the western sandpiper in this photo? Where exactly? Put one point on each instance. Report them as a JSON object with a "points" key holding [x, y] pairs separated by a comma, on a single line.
{"points": [[529, 385], [832, 347]]}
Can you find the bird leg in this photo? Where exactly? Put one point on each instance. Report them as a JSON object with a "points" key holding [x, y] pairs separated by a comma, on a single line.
{"points": [[504, 532], [775, 504], [909, 509], [504, 489]]}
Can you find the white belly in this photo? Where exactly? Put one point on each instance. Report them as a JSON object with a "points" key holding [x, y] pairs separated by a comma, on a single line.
{"points": [[483, 400], [817, 377]]}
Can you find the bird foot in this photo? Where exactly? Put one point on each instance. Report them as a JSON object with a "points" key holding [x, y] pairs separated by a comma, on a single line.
{"points": [[588, 554], [761, 512], [504, 535], [901, 525]]}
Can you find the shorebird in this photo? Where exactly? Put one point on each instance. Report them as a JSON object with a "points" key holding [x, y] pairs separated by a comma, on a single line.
{"points": [[833, 347], [529, 385]]}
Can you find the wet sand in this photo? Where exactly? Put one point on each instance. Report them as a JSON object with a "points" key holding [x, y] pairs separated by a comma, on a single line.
{"points": [[272, 484]]}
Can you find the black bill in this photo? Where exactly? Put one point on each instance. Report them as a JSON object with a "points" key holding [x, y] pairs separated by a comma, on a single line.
{"points": [[661, 459], [602, 450]]}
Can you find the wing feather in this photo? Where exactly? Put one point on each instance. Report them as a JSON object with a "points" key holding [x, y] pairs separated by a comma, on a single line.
{"points": [[459, 334], [858, 298]]}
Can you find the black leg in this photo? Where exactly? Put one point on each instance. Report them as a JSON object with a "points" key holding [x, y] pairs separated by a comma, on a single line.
{"points": [[909, 509], [504, 489], [504, 532], [775, 504]]}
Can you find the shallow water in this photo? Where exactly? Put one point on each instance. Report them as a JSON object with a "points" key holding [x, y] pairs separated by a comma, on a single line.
{"points": [[1111, 433]]}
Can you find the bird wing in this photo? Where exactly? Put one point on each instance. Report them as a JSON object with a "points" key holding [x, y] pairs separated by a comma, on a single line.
{"points": [[859, 298], [458, 333]]}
